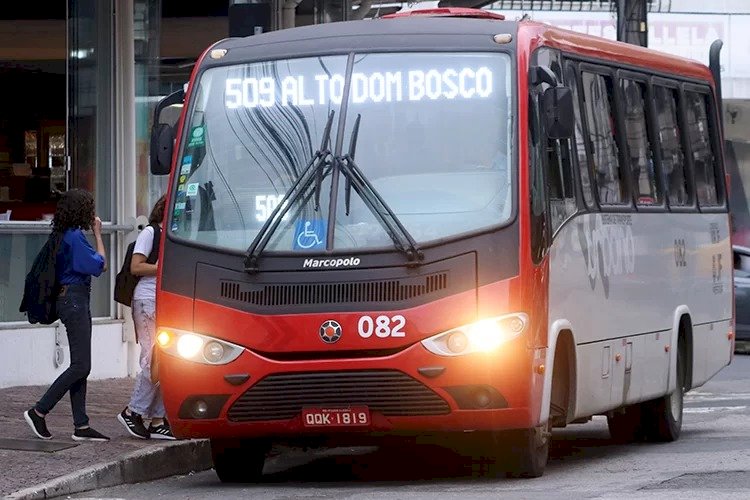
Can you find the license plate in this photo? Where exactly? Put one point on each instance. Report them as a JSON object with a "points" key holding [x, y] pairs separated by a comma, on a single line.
{"points": [[355, 416]]}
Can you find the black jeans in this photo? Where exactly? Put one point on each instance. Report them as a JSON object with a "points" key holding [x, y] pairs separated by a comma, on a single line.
{"points": [[75, 313]]}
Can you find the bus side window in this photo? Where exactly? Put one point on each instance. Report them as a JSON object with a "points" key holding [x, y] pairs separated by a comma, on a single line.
{"points": [[580, 140], [558, 165], [704, 160], [640, 153], [670, 143], [559, 177], [539, 229], [598, 96]]}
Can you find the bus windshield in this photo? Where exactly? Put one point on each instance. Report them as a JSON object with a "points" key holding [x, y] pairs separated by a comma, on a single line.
{"points": [[434, 141]]}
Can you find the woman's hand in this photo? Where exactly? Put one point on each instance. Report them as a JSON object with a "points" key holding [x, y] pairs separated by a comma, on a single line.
{"points": [[96, 227]]}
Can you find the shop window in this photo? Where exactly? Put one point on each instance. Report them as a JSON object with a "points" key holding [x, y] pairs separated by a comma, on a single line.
{"points": [[598, 103], [640, 155], [91, 95], [32, 123], [18, 252], [670, 143], [704, 160]]}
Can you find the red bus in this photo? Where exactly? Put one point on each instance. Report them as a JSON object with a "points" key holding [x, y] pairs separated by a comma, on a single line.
{"points": [[439, 222]]}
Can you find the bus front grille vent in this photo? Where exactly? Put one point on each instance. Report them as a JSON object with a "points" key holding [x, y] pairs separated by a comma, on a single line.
{"points": [[394, 290], [282, 396]]}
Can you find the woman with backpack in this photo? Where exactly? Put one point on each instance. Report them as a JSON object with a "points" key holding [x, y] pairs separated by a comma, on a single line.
{"points": [[146, 400], [75, 263]]}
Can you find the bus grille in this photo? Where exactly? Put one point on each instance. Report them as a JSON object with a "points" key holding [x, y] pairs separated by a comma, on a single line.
{"points": [[282, 396], [394, 290]]}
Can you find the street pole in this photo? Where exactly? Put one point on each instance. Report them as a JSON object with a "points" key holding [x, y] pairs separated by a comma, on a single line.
{"points": [[632, 23]]}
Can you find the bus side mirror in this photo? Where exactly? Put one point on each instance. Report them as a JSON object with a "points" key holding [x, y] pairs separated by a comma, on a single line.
{"points": [[166, 116], [557, 109], [162, 146]]}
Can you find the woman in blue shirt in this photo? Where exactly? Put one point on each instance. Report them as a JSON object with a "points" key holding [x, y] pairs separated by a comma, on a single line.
{"points": [[77, 261]]}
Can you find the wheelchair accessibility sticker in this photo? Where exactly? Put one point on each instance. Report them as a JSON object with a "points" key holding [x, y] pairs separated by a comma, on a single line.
{"points": [[310, 234]]}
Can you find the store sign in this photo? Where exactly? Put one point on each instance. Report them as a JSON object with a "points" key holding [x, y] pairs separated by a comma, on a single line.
{"points": [[413, 85]]}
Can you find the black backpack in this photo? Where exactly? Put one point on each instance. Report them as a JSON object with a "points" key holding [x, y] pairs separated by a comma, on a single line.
{"points": [[41, 287], [125, 282]]}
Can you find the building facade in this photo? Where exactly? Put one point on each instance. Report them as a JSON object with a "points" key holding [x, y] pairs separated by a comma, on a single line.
{"points": [[80, 80]]}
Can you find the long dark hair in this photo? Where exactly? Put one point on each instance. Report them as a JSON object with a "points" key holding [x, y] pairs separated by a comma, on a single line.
{"points": [[75, 210], [157, 213]]}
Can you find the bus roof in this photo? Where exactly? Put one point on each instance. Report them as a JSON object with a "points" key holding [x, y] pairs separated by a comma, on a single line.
{"points": [[331, 36]]}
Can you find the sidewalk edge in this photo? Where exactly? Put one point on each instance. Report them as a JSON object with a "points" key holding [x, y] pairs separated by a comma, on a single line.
{"points": [[148, 464]]}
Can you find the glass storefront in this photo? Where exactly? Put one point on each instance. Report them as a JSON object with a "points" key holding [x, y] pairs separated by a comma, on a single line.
{"points": [[18, 249], [155, 77], [91, 100], [147, 21], [62, 130], [54, 151]]}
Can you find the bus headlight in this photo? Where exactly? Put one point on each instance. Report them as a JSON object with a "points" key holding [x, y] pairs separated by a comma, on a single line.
{"points": [[188, 345], [213, 352], [483, 336], [196, 347]]}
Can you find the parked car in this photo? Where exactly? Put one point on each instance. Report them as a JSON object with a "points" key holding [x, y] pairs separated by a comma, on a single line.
{"points": [[742, 297]]}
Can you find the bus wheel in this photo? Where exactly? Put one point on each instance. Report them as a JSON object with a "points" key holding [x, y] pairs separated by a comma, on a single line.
{"points": [[238, 461], [662, 418], [624, 425], [529, 451]]}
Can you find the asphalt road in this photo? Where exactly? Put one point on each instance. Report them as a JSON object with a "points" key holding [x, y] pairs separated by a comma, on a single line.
{"points": [[710, 460]]}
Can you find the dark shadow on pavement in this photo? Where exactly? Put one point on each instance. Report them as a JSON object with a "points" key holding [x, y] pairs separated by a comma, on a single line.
{"points": [[409, 463]]}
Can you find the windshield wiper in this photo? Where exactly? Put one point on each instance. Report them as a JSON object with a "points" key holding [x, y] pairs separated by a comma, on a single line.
{"points": [[313, 173], [402, 240]]}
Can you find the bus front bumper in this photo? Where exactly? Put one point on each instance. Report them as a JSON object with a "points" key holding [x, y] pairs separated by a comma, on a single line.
{"points": [[412, 391]]}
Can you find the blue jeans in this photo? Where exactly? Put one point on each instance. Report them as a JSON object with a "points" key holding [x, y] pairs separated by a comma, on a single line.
{"points": [[146, 399], [75, 313]]}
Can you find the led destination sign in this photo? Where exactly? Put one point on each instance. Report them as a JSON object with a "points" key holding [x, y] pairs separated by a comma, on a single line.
{"points": [[413, 85]]}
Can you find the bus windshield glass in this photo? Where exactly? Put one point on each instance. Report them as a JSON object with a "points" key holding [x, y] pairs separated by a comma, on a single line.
{"points": [[434, 141]]}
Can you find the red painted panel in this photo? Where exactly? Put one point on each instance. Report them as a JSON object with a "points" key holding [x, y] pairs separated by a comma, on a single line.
{"points": [[300, 332]]}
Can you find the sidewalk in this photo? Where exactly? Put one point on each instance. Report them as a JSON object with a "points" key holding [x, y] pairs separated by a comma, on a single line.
{"points": [[105, 399]]}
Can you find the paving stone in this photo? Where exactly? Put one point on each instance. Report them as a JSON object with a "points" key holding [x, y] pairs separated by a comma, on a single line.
{"points": [[105, 400]]}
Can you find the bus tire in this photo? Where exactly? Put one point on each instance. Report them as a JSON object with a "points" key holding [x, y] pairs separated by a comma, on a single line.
{"points": [[624, 425], [662, 417], [529, 452], [238, 461], [529, 448]]}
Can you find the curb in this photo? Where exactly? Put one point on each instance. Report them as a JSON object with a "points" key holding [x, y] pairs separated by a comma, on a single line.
{"points": [[148, 464]]}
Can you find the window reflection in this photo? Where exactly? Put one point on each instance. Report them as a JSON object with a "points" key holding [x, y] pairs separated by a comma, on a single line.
{"points": [[640, 154], [32, 121], [91, 145], [672, 156], [18, 252]]}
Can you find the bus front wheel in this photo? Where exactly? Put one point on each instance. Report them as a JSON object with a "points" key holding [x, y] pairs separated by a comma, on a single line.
{"points": [[529, 451], [239, 461]]}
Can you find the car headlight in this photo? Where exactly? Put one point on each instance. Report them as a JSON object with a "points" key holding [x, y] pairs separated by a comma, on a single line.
{"points": [[196, 347], [483, 336]]}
